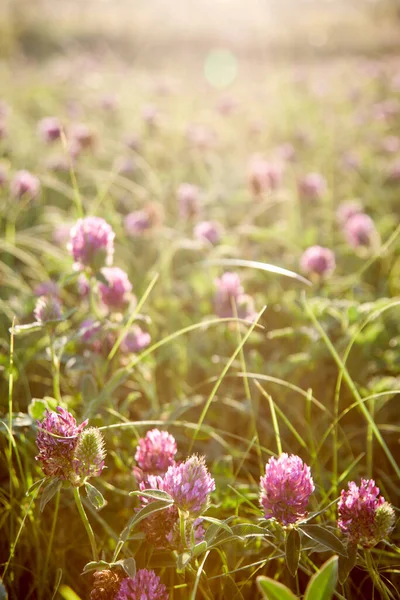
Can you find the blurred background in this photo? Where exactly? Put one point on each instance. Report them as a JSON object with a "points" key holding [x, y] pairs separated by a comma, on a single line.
{"points": [[160, 31]]}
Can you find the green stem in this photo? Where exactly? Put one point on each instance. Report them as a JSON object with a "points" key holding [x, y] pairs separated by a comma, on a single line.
{"points": [[55, 363], [86, 523], [375, 575], [51, 538]]}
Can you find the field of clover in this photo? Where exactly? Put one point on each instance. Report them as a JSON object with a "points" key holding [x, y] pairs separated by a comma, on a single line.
{"points": [[200, 332]]}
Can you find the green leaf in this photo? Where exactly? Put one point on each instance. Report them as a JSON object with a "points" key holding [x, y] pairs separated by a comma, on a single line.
{"points": [[347, 563], [89, 389], [34, 485], [199, 548], [128, 565], [221, 524], [95, 565], [153, 494], [244, 530], [324, 537], [37, 409], [273, 590], [49, 491], [95, 497], [322, 585], [143, 514], [182, 560], [292, 551], [35, 326]]}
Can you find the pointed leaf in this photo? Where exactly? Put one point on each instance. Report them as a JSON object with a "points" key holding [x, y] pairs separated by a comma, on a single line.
{"points": [[95, 497], [221, 524], [273, 590], [37, 408], [95, 565], [239, 262], [128, 565], [34, 485], [292, 551], [244, 530], [199, 548], [322, 585], [49, 491], [154, 494], [182, 560], [347, 563], [325, 537]]}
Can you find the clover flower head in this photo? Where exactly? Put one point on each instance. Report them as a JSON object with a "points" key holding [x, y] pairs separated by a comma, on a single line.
{"points": [[89, 454], [115, 293], [286, 488], [190, 485], [56, 440], [364, 516], [92, 243], [347, 210], [135, 340], [188, 199], [47, 308], [146, 585], [360, 230], [156, 451], [106, 584], [208, 231], [50, 129], [312, 186], [25, 185], [319, 261]]}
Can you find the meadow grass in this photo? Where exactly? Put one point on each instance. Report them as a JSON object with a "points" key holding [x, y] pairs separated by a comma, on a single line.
{"points": [[312, 371]]}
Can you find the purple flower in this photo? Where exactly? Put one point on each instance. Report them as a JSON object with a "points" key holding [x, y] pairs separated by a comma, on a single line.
{"points": [[360, 230], [264, 176], [364, 516], [56, 440], [346, 210], [47, 308], [189, 199], [92, 243], [391, 144], [47, 288], [286, 489], [146, 585], [81, 137], [208, 231], [201, 136], [24, 184], [394, 172], [229, 293], [135, 340], [190, 485], [89, 455], [312, 186], [115, 294], [150, 115], [50, 129], [3, 174], [156, 451], [89, 329], [137, 222], [319, 261]]}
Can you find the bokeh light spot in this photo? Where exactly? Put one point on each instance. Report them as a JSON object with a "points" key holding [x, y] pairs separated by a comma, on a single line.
{"points": [[220, 68]]}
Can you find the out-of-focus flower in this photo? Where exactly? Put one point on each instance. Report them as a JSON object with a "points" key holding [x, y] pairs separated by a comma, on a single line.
{"points": [[286, 152], [109, 102], [83, 285], [146, 585], [3, 129], [125, 165], [317, 260], [58, 164], [47, 308], [50, 129], [286, 488], [56, 440], [47, 288], [264, 176], [61, 234], [156, 451], [135, 340], [346, 210], [88, 329], [92, 243], [394, 172], [24, 185], [391, 144], [209, 231], [201, 136], [364, 516], [150, 115], [230, 293], [137, 222], [312, 186], [89, 454], [106, 584], [190, 485], [133, 142], [386, 110], [81, 136], [115, 294], [227, 105], [188, 199], [360, 230]]}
